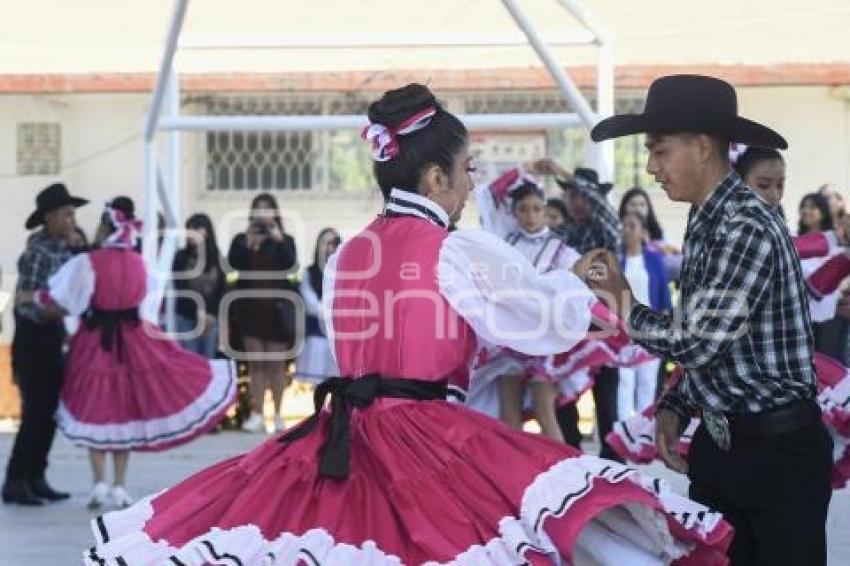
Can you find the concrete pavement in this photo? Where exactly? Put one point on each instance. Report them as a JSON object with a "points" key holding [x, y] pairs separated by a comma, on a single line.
{"points": [[58, 534]]}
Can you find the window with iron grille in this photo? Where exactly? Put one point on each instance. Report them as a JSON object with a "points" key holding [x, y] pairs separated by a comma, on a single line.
{"points": [[338, 162], [292, 162], [39, 148]]}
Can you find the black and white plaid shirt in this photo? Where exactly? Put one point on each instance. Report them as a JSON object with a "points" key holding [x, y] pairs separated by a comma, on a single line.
{"points": [[42, 258], [602, 230], [742, 332]]}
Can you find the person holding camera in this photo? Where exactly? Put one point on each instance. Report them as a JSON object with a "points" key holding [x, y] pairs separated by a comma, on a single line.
{"points": [[265, 256]]}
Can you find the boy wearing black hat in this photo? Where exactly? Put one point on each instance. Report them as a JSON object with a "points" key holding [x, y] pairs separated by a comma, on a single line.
{"points": [[37, 347], [761, 456]]}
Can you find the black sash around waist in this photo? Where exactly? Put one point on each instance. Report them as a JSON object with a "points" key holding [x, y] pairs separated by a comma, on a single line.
{"points": [[110, 323], [335, 453]]}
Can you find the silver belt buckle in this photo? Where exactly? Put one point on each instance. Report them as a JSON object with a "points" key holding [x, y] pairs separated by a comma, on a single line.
{"points": [[717, 426]]}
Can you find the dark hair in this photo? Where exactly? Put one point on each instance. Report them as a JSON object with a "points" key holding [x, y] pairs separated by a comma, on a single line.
{"points": [[651, 221], [211, 249], [271, 202], [559, 205], [436, 144], [525, 190], [754, 155], [819, 201], [314, 271], [124, 204]]}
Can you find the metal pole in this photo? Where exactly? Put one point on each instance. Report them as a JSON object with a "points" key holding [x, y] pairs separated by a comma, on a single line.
{"points": [[165, 66], [377, 40], [347, 122], [172, 197], [570, 91], [605, 107], [150, 307], [603, 153]]}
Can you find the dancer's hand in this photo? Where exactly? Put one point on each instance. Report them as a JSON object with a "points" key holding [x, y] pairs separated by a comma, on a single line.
{"points": [[667, 440], [546, 167], [603, 276]]}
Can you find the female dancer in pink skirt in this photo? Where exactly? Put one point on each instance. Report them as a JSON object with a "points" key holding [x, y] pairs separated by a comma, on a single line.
{"points": [[126, 385], [390, 472]]}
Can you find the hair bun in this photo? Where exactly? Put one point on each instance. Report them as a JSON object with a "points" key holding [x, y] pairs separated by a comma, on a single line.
{"points": [[125, 205], [399, 104]]}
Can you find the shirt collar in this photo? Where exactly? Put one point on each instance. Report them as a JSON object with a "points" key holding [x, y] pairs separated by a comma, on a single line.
{"points": [[544, 231], [708, 210], [413, 204], [42, 239]]}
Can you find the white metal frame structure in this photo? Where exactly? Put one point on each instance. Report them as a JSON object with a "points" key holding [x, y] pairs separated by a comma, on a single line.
{"points": [[162, 184]]}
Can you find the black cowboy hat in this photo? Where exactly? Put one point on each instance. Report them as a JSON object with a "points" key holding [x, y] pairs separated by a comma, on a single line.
{"points": [[51, 198], [585, 178], [690, 103]]}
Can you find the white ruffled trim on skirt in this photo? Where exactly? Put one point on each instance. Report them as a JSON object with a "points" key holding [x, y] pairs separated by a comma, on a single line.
{"points": [[219, 394], [624, 530]]}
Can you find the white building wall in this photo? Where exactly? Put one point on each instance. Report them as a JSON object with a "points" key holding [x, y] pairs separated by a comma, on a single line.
{"points": [[102, 156]]}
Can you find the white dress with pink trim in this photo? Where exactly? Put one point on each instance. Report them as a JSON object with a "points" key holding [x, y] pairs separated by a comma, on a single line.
{"points": [[392, 473], [126, 385], [572, 371], [634, 438]]}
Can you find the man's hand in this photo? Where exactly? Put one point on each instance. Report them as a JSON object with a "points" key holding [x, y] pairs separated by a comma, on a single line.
{"points": [[667, 440], [600, 271]]}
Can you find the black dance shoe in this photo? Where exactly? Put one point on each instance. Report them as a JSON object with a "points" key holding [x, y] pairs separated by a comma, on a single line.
{"points": [[40, 488], [19, 492]]}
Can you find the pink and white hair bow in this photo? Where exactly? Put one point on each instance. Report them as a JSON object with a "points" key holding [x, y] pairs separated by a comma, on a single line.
{"points": [[384, 140], [735, 151], [127, 230]]}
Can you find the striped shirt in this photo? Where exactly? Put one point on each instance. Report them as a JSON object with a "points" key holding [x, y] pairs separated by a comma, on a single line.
{"points": [[742, 331]]}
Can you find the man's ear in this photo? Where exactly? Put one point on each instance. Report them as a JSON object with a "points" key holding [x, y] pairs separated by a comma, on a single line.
{"points": [[707, 146]]}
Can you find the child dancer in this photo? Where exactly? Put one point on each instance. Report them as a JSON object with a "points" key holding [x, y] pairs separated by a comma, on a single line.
{"points": [[126, 385]]}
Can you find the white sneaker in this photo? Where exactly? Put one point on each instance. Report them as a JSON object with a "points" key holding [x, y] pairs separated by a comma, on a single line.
{"points": [[254, 423], [99, 493], [279, 425], [120, 497]]}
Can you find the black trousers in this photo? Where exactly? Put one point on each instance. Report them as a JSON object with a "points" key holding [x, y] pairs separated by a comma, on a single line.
{"points": [[37, 363], [605, 400], [774, 490]]}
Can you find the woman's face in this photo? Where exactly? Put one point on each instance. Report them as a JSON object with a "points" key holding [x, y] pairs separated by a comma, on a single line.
{"points": [[767, 179], [554, 218], [264, 213], [330, 242], [633, 232], [638, 205], [810, 215], [197, 236], [529, 213]]}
